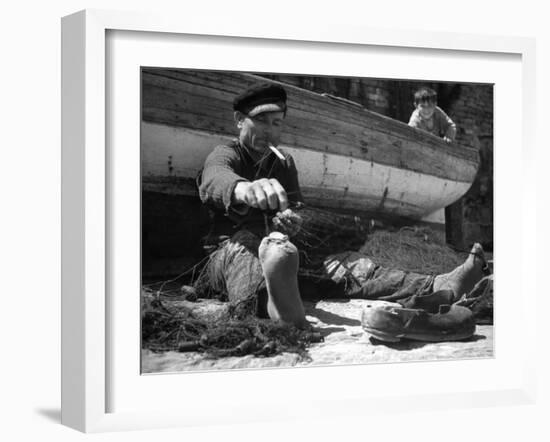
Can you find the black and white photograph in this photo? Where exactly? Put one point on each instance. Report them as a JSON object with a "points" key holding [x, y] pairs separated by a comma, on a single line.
{"points": [[294, 220]]}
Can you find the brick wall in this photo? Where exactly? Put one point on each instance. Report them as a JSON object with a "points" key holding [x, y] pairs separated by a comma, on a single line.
{"points": [[472, 110]]}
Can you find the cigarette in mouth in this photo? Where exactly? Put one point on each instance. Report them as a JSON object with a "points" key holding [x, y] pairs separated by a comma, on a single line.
{"points": [[276, 152]]}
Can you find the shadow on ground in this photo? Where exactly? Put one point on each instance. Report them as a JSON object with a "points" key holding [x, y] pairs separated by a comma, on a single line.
{"points": [[325, 331], [332, 318], [51, 414], [407, 344]]}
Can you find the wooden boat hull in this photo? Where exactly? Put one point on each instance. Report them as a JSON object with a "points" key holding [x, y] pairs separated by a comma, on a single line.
{"points": [[348, 158]]}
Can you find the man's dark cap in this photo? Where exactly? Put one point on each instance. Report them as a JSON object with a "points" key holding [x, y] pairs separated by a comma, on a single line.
{"points": [[264, 97]]}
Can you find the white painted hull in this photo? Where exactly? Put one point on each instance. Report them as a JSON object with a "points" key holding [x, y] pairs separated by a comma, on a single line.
{"points": [[172, 157]]}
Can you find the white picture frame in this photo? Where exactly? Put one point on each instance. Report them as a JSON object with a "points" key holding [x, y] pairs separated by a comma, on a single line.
{"points": [[86, 212]]}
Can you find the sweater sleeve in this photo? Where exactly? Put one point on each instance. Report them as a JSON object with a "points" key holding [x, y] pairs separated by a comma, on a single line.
{"points": [[220, 175], [448, 127]]}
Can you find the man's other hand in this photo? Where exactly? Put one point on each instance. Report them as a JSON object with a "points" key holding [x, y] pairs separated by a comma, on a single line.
{"points": [[264, 194], [287, 222]]}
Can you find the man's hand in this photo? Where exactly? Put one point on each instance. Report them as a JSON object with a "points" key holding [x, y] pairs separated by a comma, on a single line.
{"points": [[264, 194]]}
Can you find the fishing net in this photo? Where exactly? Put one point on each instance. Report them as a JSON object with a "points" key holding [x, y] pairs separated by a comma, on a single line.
{"points": [[324, 232], [217, 329], [174, 318], [415, 249], [418, 249]]}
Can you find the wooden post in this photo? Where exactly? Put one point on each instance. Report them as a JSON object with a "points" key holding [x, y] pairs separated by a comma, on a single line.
{"points": [[454, 217]]}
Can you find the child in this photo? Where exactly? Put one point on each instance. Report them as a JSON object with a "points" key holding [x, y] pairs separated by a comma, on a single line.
{"points": [[430, 117]]}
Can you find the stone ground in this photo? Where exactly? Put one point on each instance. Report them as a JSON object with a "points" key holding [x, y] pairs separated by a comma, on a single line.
{"points": [[345, 342]]}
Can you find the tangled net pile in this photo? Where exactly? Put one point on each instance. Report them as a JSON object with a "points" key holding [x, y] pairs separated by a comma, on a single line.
{"points": [[172, 321], [415, 249], [171, 324], [324, 232]]}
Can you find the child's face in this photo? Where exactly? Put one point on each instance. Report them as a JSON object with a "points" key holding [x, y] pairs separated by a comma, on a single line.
{"points": [[426, 109]]}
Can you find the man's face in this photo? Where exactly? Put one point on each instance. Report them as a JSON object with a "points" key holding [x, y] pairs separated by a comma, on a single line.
{"points": [[426, 109], [257, 132]]}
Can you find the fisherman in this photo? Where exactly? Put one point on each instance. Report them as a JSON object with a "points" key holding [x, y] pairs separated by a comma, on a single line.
{"points": [[250, 177]]}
